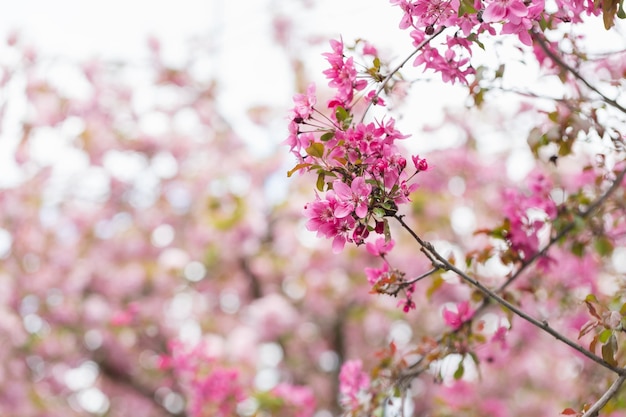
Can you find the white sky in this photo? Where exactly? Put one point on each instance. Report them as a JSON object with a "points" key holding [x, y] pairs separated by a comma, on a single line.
{"points": [[250, 68]]}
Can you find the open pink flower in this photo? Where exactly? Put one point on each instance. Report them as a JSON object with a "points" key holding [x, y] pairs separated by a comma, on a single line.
{"points": [[304, 103], [353, 198], [456, 318], [510, 10], [380, 247]]}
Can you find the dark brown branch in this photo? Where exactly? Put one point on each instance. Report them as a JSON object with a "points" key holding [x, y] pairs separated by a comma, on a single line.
{"points": [[543, 325]]}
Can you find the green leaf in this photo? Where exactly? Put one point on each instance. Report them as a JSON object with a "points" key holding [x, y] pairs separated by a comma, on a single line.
{"points": [[316, 150], [341, 114], [608, 351], [474, 38], [320, 181], [460, 370], [437, 283], [620, 10], [603, 246], [379, 212], [327, 136], [605, 335], [578, 249], [466, 7]]}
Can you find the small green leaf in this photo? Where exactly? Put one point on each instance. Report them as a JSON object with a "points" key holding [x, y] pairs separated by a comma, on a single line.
{"points": [[603, 246], [341, 114], [578, 249], [620, 10], [466, 7], [320, 181], [327, 136], [316, 150], [608, 351], [379, 212], [460, 370], [605, 335], [474, 38]]}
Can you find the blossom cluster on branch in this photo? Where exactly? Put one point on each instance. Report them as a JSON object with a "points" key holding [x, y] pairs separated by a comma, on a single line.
{"points": [[366, 183]]}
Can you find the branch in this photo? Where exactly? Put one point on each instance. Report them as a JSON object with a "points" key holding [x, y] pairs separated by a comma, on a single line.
{"points": [[421, 277], [588, 212], [541, 40], [610, 393], [543, 325], [402, 64]]}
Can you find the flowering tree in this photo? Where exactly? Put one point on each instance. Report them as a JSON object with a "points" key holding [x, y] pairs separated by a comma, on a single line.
{"points": [[541, 258], [147, 269]]}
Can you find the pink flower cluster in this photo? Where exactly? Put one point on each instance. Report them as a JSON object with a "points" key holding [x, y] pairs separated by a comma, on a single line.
{"points": [[342, 75], [527, 214], [211, 388], [298, 401], [353, 383], [454, 65], [359, 167], [455, 319], [470, 19]]}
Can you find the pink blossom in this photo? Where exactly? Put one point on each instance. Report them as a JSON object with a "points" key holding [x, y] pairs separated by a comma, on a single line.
{"points": [[462, 314], [342, 75], [420, 163], [353, 198], [304, 103], [374, 275], [510, 10], [374, 98], [300, 400], [380, 247], [321, 215], [352, 382], [216, 393]]}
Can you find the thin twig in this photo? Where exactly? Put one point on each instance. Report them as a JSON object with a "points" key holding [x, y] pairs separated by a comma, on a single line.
{"points": [[402, 64], [557, 60], [421, 277], [610, 393], [543, 325], [414, 370], [588, 212]]}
